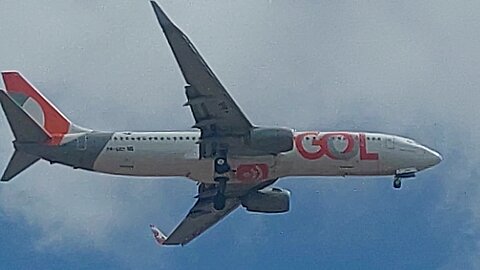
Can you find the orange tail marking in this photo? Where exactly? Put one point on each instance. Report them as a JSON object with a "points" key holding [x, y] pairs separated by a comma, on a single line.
{"points": [[55, 122]]}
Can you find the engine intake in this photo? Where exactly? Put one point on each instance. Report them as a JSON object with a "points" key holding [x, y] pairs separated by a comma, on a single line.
{"points": [[267, 200], [271, 140]]}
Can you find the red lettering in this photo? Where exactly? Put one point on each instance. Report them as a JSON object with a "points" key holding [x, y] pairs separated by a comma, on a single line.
{"points": [[323, 146], [326, 137], [301, 149], [364, 155]]}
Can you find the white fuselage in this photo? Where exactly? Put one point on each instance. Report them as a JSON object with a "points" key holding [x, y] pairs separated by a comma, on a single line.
{"points": [[176, 153]]}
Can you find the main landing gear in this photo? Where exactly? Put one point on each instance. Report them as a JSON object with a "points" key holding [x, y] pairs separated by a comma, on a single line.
{"points": [[221, 177]]}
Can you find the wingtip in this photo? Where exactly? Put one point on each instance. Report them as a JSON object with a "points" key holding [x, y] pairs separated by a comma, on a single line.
{"points": [[158, 235], [5, 178], [161, 16]]}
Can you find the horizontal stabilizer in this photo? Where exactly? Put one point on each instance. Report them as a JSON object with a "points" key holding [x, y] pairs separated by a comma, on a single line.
{"points": [[24, 128], [19, 162]]}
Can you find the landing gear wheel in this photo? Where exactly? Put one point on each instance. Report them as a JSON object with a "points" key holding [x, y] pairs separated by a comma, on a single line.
{"points": [[397, 183], [221, 177], [219, 201], [221, 165]]}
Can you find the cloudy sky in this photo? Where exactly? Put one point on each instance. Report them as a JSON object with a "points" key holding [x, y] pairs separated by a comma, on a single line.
{"points": [[404, 67]]}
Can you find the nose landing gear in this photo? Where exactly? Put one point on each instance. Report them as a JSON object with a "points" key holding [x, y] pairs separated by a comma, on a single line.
{"points": [[403, 173], [397, 182]]}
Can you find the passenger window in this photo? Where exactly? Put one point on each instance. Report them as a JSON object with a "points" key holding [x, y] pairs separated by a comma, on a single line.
{"points": [[180, 138], [114, 138], [187, 138]]}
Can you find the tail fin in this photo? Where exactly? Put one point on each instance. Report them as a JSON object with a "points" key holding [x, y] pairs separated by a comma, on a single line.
{"points": [[37, 106]]}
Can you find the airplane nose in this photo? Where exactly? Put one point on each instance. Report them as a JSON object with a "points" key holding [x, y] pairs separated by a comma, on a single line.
{"points": [[433, 157]]}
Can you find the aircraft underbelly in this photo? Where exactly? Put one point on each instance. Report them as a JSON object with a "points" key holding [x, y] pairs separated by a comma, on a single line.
{"points": [[183, 161], [245, 169]]}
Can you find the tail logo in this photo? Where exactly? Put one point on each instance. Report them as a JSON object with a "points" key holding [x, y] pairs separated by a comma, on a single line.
{"points": [[31, 107], [36, 105]]}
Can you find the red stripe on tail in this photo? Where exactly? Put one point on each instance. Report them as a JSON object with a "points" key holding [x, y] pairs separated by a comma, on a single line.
{"points": [[55, 122]]}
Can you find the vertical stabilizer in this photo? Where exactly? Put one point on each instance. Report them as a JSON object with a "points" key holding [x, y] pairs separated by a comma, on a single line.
{"points": [[18, 163], [34, 103], [24, 128], [38, 107]]}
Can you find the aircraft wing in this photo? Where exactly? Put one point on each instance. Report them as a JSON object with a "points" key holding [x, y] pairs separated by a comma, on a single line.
{"points": [[216, 113], [201, 217]]}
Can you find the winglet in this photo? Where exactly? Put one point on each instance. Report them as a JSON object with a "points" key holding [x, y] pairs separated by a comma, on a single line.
{"points": [[160, 237], [161, 16]]}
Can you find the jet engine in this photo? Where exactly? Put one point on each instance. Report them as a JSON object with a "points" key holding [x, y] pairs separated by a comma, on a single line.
{"points": [[270, 140], [267, 200]]}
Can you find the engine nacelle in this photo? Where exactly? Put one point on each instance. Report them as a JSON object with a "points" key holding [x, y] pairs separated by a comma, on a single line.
{"points": [[267, 200], [271, 140]]}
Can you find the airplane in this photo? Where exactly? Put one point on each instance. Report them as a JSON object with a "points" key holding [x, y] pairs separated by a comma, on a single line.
{"points": [[234, 162]]}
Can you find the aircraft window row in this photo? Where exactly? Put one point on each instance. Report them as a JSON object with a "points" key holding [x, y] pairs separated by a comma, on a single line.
{"points": [[181, 138], [340, 138]]}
